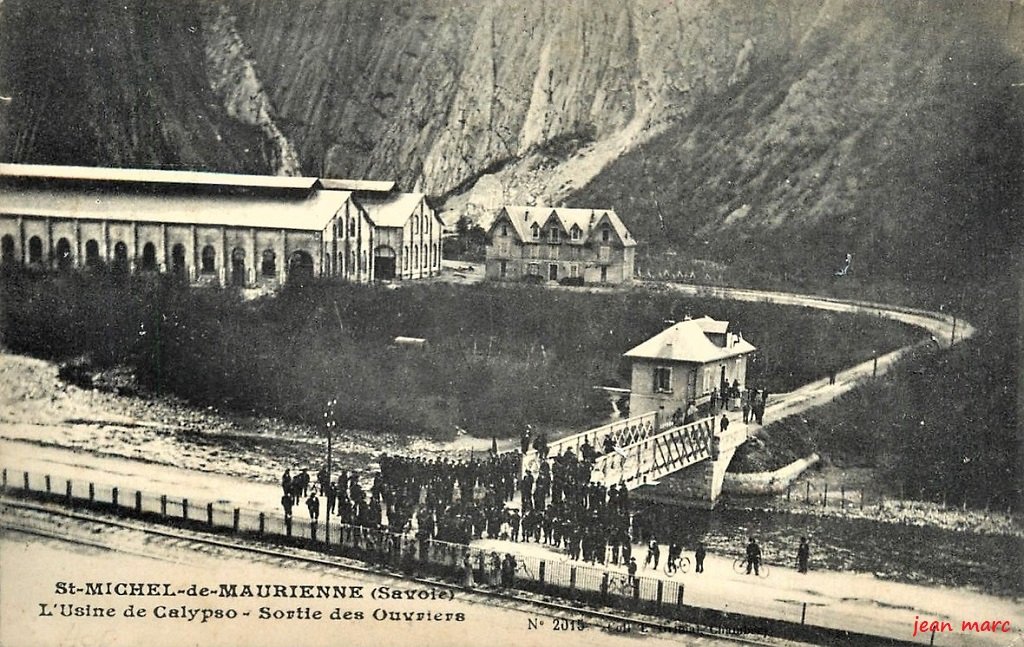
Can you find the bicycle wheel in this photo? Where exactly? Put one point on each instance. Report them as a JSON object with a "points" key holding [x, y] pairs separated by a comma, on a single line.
{"points": [[763, 570], [684, 565], [740, 565], [670, 568]]}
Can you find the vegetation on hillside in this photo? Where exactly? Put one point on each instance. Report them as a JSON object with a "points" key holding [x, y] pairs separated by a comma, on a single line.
{"points": [[496, 358], [943, 424]]}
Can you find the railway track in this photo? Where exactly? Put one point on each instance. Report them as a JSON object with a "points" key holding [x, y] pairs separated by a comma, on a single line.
{"points": [[98, 531]]}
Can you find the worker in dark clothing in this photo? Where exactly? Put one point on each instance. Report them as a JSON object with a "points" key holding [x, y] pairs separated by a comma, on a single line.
{"points": [[753, 557], [803, 555], [313, 505], [699, 555], [526, 490], [286, 482], [286, 503], [723, 424]]}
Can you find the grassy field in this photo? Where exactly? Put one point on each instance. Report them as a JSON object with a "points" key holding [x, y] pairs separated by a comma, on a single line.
{"points": [[496, 358]]}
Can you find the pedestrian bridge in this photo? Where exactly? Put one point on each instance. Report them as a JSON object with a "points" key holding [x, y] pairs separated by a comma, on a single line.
{"points": [[646, 451]]}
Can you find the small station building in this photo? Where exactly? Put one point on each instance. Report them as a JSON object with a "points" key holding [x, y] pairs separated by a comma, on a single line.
{"points": [[685, 363]]}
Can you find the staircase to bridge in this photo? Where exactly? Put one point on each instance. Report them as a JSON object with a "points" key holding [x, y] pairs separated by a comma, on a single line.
{"points": [[647, 451]]}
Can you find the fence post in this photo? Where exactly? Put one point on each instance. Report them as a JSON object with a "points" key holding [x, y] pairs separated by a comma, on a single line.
{"points": [[234, 521], [862, 498], [842, 496], [803, 614], [824, 497], [636, 588], [138, 502], [184, 509], [113, 497], [312, 530], [47, 479], [807, 493], [604, 587], [209, 514], [661, 585], [163, 505], [880, 497], [26, 481], [788, 488], [540, 572], [682, 587], [92, 491], [263, 520], [67, 494], [287, 527], [572, 578]]}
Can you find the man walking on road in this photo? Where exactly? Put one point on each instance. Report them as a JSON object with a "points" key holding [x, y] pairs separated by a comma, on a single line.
{"points": [[803, 555], [753, 557], [723, 423]]}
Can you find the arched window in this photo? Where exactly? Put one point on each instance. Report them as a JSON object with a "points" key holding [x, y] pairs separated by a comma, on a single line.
{"points": [[268, 267], [209, 260], [415, 256], [405, 258], [8, 249], [424, 258], [178, 260], [149, 257], [351, 227], [437, 259], [120, 257], [35, 250], [92, 253]]}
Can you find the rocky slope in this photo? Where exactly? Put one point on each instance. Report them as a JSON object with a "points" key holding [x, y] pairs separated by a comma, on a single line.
{"points": [[128, 83], [855, 126]]}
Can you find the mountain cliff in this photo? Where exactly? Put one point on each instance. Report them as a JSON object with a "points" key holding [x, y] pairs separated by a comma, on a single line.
{"points": [[722, 130]]}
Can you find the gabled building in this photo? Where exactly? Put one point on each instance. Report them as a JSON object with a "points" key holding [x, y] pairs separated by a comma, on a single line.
{"points": [[219, 229], [407, 235], [684, 363], [556, 243]]}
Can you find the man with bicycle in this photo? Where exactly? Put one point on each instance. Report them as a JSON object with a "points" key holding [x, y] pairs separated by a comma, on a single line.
{"points": [[753, 557], [674, 552]]}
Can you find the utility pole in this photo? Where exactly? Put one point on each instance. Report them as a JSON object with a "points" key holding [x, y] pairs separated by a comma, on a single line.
{"points": [[329, 424], [952, 334]]}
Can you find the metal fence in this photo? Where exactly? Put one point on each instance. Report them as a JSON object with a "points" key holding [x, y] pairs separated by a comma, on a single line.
{"points": [[402, 552]]}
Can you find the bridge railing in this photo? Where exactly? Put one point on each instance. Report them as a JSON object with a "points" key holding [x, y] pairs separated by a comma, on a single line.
{"points": [[651, 458], [622, 432]]}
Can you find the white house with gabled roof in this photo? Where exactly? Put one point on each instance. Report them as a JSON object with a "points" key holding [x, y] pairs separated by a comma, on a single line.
{"points": [[559, 243], [684, 363]]}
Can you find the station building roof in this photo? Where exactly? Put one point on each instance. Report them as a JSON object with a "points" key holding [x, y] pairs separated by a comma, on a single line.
{"points": [[689, 341], [153, 176], [310, 211], [392, 210]]}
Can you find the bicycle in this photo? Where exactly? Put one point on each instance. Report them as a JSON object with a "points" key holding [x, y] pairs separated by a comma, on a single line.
{"points": [[680, 564], [740, 566]]}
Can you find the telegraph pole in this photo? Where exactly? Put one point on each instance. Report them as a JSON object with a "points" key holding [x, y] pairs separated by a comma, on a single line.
{"points": [[329, 424]]}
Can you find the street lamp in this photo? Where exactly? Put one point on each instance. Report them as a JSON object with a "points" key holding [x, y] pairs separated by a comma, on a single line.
{"points": [[329, 424]]}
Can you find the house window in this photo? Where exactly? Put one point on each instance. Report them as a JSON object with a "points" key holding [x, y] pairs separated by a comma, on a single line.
{"points": [[606, 235], [662, 379], [351, 226], [574, 270], [209, 260], [504, 230], [576, 232], [535, 228], [533, 269], [504, 268], [553, 235]]}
